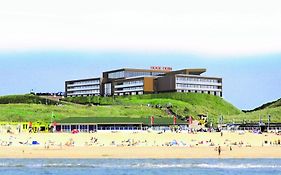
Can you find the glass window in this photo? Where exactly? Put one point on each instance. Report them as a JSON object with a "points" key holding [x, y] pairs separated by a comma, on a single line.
{"points": [[120, 74]]}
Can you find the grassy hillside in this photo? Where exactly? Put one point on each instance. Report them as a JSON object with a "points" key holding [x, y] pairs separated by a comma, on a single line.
{"points": [[26, 99], [30, 107], [254, 116], [184, 104], [273, 104], [34, 112], [272, 108]]}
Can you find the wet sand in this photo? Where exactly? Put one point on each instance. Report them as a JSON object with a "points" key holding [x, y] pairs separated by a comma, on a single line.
{"points": [[139, 152]]}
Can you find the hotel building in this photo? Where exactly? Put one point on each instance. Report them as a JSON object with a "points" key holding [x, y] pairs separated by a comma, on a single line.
{"points": [[144, 81], [83, 87]]}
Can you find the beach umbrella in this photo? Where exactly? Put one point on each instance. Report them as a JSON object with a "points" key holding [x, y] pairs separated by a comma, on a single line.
{"points": [[75, 131]]}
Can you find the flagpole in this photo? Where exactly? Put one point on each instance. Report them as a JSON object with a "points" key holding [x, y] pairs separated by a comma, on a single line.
{"points": [[268, 122], [52, 117]]}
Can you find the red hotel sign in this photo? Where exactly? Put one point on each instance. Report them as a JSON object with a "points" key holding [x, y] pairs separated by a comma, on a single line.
{"points": [[161, 68]]}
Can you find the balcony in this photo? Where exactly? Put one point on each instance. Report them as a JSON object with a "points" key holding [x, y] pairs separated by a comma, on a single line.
{"points": [[198, 83], [83, 89], [83, 84], [131, 90], [83, 93], [198, 89], [128, 85]]}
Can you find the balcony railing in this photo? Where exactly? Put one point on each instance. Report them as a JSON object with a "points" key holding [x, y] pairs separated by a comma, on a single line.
{"points": [[131, 90], [198, 89], [198, 83], [128, 85], [83, 84], [83, 89]]}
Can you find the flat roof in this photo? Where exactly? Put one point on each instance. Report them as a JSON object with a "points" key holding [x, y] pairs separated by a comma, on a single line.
{"points": [[135, 78], [195, 71], [86, 79], [137, 70], [119, 120], [198, 76]]}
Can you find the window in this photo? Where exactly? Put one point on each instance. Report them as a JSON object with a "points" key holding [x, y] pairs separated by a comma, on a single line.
{"points": [[137, 74], [114, 75]]}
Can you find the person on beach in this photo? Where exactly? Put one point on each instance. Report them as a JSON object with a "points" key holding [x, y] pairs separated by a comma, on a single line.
{"points": [[219, 150]]}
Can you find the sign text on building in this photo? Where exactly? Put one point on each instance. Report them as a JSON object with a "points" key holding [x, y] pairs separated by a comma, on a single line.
{"points": [[161, 68]]}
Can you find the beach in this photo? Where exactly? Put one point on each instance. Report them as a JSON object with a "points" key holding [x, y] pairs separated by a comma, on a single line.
{"points": [[141, 144]]}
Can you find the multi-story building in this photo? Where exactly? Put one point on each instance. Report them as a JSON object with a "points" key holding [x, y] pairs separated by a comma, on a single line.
{"points": [[190, 80], [134, 86], [83, 87], [130, 81], [143, 81]]}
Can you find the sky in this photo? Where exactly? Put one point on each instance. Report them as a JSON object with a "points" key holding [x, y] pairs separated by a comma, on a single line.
{"points": [[44, 43]]}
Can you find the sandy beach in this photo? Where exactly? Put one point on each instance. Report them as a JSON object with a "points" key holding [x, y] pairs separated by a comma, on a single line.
{"points": [[140, 145]]}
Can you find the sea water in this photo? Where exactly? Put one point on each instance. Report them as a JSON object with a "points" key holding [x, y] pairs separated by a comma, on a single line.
{"points": [[140, 166]]}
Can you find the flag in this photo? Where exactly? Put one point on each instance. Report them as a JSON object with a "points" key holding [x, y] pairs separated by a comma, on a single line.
{"points": [[53, 116], [175, 120], [152, 120], [190, 120], [269, 118]]}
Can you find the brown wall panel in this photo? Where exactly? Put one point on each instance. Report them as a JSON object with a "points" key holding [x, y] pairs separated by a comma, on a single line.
{"points": [[148, 84], [166, 84]]}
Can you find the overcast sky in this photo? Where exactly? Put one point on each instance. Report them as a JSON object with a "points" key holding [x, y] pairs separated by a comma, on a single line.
{"points": [[57, 40]]}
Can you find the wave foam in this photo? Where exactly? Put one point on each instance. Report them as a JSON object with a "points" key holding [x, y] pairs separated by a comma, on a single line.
{"points": [[141, 165]]}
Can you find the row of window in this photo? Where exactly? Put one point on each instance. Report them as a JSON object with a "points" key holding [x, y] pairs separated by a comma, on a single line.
{"points": [[132, 88], [120, 74], [84, 92], [129, 93], [197, 79], [133, 82], [136, 74], [85, 82], [127, 74], [84, 87], [216, 93], [196, 86], [139, 88]]}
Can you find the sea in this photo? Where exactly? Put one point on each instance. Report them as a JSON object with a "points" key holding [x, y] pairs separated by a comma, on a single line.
{"points": [[140, 166]]}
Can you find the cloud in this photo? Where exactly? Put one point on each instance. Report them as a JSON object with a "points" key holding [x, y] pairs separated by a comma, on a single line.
{"points": [[216, 27]]}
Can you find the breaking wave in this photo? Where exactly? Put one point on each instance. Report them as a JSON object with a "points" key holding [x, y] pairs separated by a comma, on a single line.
{"points": [[142, 165]]}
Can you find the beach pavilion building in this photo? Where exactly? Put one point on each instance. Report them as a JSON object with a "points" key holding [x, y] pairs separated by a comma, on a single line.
{"points": [[93, 124]]}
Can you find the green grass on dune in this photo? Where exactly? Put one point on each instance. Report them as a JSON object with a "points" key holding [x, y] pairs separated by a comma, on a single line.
{"points": [[186, 103], [34, 112], [275, 114], [26, 99], [32, 108], [273, 104]]}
